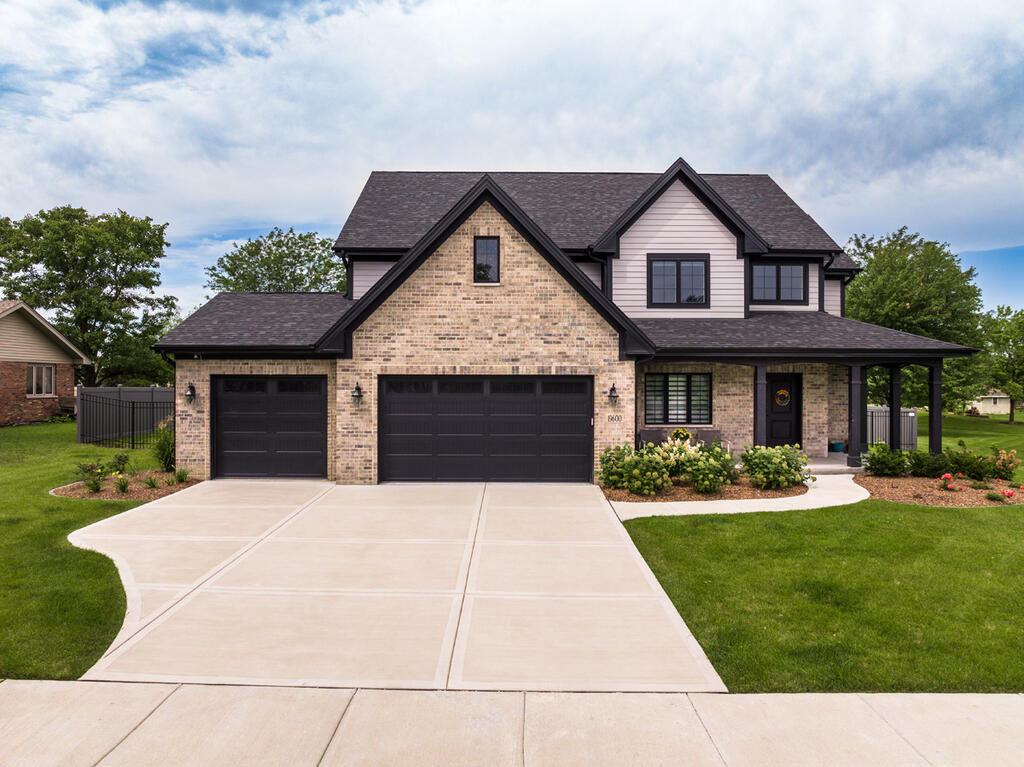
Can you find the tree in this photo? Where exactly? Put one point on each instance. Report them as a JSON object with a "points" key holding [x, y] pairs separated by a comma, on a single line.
{"points": [[98, 275], [1004, 339], [279, 262], [918, 286]]}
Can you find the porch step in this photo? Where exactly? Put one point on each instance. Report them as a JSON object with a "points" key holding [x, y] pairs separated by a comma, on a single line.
{"points": [[835, 463]]}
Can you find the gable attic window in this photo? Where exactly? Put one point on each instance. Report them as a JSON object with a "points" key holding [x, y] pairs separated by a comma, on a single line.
{"points": [[678, 280], [486, 261], [779, 283]]}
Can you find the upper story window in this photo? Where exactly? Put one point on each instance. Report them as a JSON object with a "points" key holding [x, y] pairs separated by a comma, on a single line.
{"points": [[678, 280], [39, 380], [485, 259], [779, 283]]}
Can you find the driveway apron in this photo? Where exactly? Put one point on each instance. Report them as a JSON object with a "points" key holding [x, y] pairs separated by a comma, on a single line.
{"points": [[409, 586]]}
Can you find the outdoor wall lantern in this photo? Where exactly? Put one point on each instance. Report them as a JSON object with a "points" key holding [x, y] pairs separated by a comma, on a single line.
{"points": [[357, 394], [190, 394], [612, 394]]}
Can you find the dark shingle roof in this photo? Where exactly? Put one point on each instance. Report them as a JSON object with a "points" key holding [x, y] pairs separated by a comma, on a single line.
{"points": [[260, 320], [787, 331], [395, 208]]}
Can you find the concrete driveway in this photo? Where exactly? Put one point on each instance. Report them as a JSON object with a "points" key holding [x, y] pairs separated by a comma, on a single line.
{"points": [[435, 586]]}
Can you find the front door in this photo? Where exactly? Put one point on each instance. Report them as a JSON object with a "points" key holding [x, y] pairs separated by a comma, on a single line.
{"points": [[784, 409]]}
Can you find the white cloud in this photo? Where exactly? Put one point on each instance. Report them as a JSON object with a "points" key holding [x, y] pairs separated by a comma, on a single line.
{"points": [[908, 113]]}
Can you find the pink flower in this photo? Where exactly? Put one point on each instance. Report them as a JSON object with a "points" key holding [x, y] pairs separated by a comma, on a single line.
{"points": [[947, 475], [950, 486]]}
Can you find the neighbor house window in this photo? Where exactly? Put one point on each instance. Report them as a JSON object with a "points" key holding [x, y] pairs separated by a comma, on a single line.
{"points": [[677, 398], [678, 279], [485, 259], [779, 283], [39, 380]]}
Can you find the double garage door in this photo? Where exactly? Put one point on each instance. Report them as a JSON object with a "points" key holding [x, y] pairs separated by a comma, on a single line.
{"points": [[460, 428], [454, 428]]}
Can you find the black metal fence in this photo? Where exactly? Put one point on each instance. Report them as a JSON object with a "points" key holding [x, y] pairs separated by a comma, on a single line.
{"points": [[124, 421], [878, 427]]}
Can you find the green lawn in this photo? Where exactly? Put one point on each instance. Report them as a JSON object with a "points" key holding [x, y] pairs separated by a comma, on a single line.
{"points": [[868, 597], [979, 434], [60, 607]]}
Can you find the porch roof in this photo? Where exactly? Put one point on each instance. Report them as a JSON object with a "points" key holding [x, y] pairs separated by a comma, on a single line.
{"points": [[789, 334]]}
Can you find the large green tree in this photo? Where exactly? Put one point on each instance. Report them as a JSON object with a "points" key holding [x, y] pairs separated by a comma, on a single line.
{"points": [[1004, 340], [98, 275], [279, 262], [919, 286]]}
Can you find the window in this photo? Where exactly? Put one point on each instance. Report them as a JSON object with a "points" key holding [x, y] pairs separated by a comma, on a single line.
{"points": [[678, 279], [39, 380], [677, 398], [485, 259], [779, 283]]}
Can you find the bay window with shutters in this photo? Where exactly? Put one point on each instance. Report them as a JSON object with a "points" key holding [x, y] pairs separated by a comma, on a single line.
{"points": [[677, 398]]}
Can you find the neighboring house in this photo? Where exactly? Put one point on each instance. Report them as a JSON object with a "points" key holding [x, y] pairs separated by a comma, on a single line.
{"points": [[994, 403], [511, 326], [37, 365]]}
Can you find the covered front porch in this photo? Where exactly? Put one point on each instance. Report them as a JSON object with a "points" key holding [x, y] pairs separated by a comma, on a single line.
{"points": [[783, 378]]}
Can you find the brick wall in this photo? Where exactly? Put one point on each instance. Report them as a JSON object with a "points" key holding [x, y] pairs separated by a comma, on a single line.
{"points": [[438, 322], [16, 407], [838, 402], [732, 400], [192, 421]]}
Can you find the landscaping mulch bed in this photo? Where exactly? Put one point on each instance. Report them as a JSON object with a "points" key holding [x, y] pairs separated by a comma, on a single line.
{"points": [[926, 492], [136, 492], [738, 491]]}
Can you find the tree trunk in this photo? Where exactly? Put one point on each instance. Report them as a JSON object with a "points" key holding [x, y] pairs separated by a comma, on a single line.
{"points": [[1013, 406]]}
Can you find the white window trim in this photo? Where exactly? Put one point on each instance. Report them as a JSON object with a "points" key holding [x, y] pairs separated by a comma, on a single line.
{"points": [[53, 379]]}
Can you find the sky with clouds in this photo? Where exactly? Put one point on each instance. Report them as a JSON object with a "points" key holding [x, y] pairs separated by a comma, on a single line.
{"points": [[228, 118]]}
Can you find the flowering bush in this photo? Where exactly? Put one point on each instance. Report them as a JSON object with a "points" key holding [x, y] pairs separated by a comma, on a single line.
{"points": [[641, 472], [680, 435], [1004, 463], [121, 483], [949, 483], [775, 467], [1007, 492], [712, 467], [677, 455]]}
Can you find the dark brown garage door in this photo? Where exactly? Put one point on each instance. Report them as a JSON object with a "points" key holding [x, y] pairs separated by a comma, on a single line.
{"points": [[269, 426], [509, 429]]}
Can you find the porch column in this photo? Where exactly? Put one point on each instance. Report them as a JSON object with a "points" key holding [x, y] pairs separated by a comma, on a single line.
{"points": [[760, 404], [895, 405], [858, 411], [935, 407]]}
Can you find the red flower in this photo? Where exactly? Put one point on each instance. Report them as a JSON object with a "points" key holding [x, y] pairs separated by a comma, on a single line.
{"points": [[950, 486], [947, 475]]}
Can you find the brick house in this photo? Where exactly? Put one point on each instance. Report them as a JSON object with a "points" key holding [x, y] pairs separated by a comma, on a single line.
{"points": [[511, 326], [37, 365]]}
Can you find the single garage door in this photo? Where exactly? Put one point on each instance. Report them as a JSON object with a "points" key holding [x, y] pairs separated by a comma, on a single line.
{"points": [[269, 426], [512, 428]]}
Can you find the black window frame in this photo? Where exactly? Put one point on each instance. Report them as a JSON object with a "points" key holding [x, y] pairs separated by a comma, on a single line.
{"points": [[704, 258], [689, 400], [497, 270], [805, 267]]}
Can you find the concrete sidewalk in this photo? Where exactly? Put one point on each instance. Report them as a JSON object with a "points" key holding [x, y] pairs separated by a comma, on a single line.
{"points": [[138, 724]]}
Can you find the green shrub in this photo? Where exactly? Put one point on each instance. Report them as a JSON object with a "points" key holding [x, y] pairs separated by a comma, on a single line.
{"points": [[992, 495], [151, 481], [976, 485], [89, 469], [58, 418], [121, 484], [641, 472], [924, 464], [94, 484], [970, 464], [883, 461], [708, 474], [775, 467], [117, 464], [163, 448], [181, 475]]}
